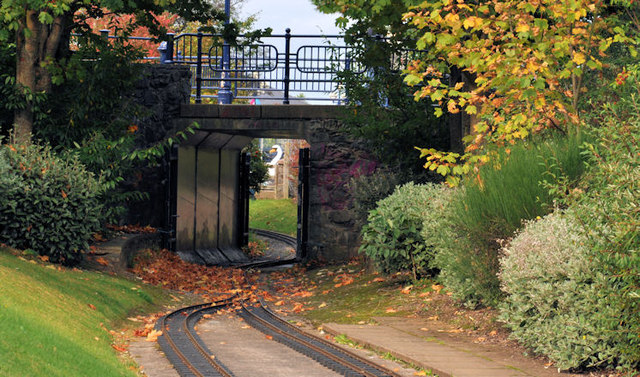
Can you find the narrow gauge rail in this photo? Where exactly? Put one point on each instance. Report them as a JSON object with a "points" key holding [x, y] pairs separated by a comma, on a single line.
{"points": [[291, 241], [184, 347], [285, 238], [191, 357], [324, 352]]}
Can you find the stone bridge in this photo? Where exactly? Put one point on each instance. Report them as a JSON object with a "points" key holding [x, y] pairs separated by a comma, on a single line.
{"points": [[208, 166], [223, 130]]}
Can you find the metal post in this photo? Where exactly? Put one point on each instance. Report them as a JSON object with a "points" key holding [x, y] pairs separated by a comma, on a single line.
{"points": [[287, 62], [169, 59], [303, 203], [243, 201], [225, 96], [171, 198], [199, 70]]}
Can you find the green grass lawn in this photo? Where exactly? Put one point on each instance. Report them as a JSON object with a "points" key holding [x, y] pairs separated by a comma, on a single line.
{"points": [[55, 322], [280, 215]]}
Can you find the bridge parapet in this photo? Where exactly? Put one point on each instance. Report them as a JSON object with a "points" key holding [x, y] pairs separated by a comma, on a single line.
{"points": [[289, 122]]}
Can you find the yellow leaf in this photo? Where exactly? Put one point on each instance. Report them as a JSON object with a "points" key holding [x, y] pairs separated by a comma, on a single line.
{"points": [[471, 22], [153, 335], [522, 28], [452, 107], [579, 58]]}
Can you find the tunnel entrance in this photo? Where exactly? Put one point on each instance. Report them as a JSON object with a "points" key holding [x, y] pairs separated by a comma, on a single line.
{"points": [[210, 199], [281, 203]]}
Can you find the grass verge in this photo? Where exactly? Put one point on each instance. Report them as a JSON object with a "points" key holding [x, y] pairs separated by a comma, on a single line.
{"points": [[56, 321], [350, 295], [279, 215]]}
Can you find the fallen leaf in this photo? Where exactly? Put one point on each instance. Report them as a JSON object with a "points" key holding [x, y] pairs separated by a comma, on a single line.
{"points": [[391, 310], [102, 261], [119, 348], [269, 337], [406, 290], [153, 335], [420, 373], [378, 280], [322, 305], [91, 306]]}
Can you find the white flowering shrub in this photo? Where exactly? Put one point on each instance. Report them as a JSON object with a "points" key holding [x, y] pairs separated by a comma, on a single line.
{"points": [[555, 301]]}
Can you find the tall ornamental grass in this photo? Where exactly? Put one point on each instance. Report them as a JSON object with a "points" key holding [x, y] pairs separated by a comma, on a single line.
{"points": [[491, 207]]}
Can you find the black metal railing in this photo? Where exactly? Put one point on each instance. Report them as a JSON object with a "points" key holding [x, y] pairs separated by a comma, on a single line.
{"points": [[284, 68]]}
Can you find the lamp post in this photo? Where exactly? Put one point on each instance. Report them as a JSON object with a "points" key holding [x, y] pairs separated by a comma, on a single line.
{"points": [[225, 96]]}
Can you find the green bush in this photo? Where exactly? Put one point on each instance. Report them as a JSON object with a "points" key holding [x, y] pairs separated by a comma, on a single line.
{"points": [[492, 206], [609, 211], [258, 169], [392, 237], [92, 113], [555, 302], [47, 204]]}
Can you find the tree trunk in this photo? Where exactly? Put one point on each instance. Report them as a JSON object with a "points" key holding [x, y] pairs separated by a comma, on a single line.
{"points": [[27, 51], [36, 45]]}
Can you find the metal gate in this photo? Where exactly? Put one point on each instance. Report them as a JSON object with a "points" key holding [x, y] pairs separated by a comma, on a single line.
{"points": [[171, 189], [303, 203], [243, 201]]}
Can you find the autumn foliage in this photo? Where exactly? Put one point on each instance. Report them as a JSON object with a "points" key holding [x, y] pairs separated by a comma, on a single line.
{"points": [[524, 63], [167, 270]]}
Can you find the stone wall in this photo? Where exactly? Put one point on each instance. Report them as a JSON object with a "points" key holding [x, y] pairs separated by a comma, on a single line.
{"points": [[161, 90], [335, 159]]}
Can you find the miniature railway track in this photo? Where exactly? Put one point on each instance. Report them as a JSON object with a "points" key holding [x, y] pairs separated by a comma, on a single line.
{"points": [[285, 238], [326, 353], [191, 357], [183, 346], [290, 241]]}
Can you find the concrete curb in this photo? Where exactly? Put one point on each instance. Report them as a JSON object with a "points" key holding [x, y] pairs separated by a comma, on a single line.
{"points": [[377, 348]]}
